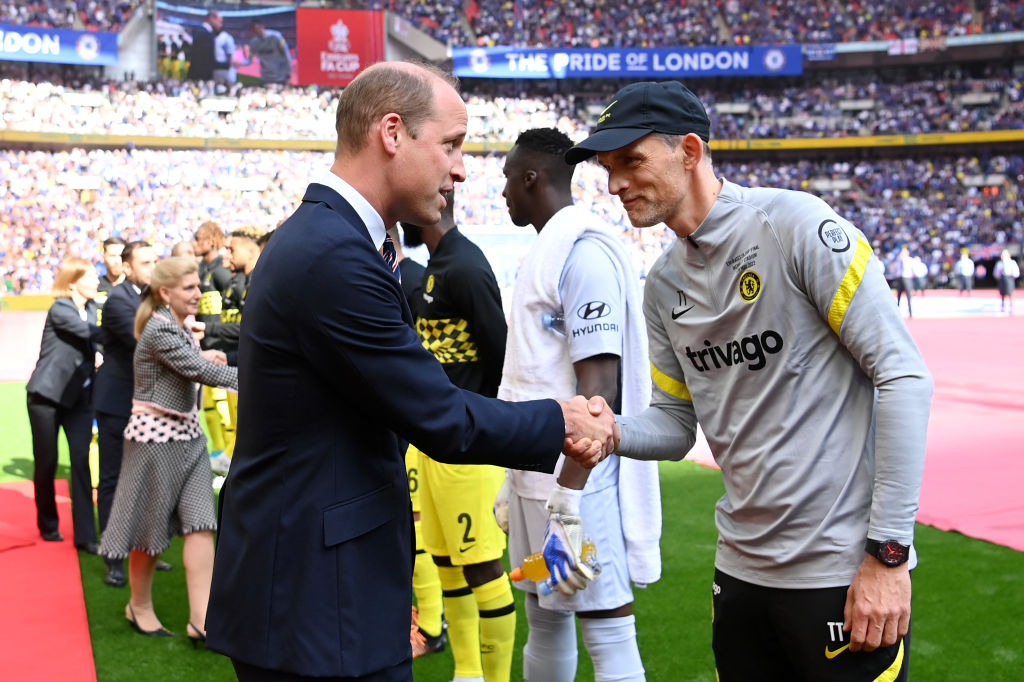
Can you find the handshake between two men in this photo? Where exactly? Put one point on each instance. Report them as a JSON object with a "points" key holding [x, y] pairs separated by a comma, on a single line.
{"points": [[591, 434]]}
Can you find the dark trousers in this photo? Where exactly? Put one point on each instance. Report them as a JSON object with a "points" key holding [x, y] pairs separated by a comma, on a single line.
{"points": [[904, 285], [45, 419], [767, 634], [251, 673], [111, 436]]}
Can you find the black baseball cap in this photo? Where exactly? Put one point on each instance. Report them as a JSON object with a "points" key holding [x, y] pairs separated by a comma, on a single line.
{"points": [[641, 108]]}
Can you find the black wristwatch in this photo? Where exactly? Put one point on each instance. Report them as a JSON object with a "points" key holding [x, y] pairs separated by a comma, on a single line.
{"points": [[889, 552]]}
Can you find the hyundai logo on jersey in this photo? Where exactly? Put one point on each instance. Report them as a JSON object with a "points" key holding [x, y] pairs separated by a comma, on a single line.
{"points": [[593, 310]]}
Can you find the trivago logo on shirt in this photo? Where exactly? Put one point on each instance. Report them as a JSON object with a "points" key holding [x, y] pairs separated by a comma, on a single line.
{"points": [[749, 349]]}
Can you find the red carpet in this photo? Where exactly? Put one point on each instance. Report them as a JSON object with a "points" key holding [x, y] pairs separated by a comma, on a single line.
{"points": [[43, 606], [975, 464]]}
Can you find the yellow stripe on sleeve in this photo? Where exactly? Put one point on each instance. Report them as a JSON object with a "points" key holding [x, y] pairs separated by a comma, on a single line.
{"points": [[848, 287], [673, 387]]}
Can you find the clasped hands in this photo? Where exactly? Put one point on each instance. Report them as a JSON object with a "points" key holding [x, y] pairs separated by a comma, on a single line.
{"points": [[217, 357], [591, 433]]}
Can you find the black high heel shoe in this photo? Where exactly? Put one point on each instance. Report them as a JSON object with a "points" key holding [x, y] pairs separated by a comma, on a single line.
{"points": [[197, 637], [159, 632]]}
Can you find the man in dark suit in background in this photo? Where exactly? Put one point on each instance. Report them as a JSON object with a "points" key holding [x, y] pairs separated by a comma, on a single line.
{"points": [[112, 393], [202, 60], [314, 564]]}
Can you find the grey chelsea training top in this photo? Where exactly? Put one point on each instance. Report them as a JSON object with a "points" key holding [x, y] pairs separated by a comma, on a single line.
{"points": [[773, 327]]}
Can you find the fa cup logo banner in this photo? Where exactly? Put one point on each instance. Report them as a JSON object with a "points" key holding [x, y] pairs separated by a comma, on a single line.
{"points": [[339, 38], [338, 59], [335, 45]]}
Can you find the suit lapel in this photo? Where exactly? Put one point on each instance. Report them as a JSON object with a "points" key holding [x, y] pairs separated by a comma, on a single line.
{"points": [[128, 291], [322, 194]]}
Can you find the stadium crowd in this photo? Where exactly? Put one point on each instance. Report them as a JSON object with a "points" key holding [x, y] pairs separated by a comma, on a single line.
{"points": [[1000, 16], [87, 15], [65, 202], [635, 23], [54, 204], [827, 22], [650, 23], [872, 106], [942, 102]]}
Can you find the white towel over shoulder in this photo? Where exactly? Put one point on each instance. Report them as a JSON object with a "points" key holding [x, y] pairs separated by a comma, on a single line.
{"points": [[537, 365]]}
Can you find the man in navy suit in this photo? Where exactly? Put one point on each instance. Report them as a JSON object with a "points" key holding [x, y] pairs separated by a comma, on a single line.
{"points": [[202, 61], [313, 574], [112, 392]]}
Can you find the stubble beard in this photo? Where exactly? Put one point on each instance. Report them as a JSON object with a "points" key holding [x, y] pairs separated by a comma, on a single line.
{"points": [[645, 215]]}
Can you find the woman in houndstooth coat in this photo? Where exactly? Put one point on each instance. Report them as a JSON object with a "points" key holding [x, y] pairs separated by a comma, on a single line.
{"points": [[165, 486]]}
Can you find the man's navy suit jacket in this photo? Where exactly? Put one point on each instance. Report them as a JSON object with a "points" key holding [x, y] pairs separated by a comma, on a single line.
{"points": [[313, 573], [202, 61], [115, 379]]}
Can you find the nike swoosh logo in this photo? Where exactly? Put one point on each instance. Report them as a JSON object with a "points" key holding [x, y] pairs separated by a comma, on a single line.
{"points": [[677, 315], [466, 548], [607, 108], [832, 654]]}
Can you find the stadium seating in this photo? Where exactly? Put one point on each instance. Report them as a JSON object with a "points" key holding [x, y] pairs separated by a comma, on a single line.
{"points": [[56, 203], [82, 15], [668, 23], [832, 107], [605, 23]]}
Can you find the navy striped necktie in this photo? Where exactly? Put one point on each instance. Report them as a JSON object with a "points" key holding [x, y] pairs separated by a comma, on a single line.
{"points": [[390, 256]]}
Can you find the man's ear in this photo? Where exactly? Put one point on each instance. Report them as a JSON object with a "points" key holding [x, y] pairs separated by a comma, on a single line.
{"points": [[390, 129], [529, 178], [693, 150]]}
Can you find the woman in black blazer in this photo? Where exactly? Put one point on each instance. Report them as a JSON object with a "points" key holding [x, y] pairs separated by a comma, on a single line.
{"points": [[60, 396]]}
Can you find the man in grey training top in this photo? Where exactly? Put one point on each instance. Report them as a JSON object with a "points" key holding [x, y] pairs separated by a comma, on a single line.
{"points": [[270, 47], [770, 325]]}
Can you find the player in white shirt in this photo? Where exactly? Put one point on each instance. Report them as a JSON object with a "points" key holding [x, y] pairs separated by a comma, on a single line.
{"points": [[578, 273], [964, 271]]}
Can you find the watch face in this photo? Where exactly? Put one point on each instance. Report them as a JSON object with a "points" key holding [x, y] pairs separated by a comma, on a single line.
{"points": [[893, 553]]}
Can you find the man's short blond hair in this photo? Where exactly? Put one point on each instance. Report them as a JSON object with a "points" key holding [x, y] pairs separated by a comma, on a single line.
{"points": [[386, 88], [249, 232]]}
